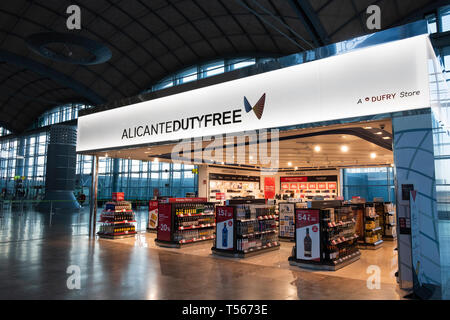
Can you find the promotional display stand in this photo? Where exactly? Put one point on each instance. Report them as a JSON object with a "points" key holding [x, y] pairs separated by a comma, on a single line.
{"points": [[287, 221], [325, 238], [244, 230], [184, 221], [117, 219], [152, 223]]}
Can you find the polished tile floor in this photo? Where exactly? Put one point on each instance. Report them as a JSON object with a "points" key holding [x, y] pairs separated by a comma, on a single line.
{"points": [[36, 251]]}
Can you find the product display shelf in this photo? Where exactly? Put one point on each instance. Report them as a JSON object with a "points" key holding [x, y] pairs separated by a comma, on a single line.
{"points": [[117, 220], [326, 238], [371, 237], [183, 221], [390, 225], [244, 230]]}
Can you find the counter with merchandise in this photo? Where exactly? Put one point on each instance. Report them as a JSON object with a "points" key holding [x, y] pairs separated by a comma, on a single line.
{"points": [[183, 221], [245, 229], [325, 237]]}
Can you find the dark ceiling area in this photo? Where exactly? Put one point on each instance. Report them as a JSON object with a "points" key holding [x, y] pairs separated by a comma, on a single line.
{"points": [[123, 47]]}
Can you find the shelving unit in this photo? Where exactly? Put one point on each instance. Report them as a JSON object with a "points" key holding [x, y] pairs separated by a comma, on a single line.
{"points": [[183, 221], [325, 238], [389, 222], [370, 227], [117, 220], [245, 229]]}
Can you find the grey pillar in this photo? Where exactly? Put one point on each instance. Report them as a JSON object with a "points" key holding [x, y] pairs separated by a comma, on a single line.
{"points": [[60, 169]]}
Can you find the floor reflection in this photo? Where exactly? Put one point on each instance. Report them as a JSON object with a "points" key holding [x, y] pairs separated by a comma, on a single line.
{"points": [[35, 252]]}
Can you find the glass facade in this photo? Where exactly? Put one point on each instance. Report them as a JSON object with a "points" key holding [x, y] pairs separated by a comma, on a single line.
{"points": [[369, 183], [137, 179], [60, 114], [22, 166], [203, 71]]}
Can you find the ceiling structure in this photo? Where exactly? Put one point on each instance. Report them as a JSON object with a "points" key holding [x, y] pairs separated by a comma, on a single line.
{"points": [[366, 144], [129, 45]]}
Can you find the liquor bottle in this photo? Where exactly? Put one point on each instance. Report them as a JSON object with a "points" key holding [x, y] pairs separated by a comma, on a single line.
{"points": [[307, 242], [225, 235]]}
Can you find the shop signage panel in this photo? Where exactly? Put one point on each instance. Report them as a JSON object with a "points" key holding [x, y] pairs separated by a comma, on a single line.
{"points": [[220, 196], [233, 177], [332, 185], [367, 81], [293, 186], [175, 200], [307, 228], [312, 186], [269, 187], [285, 186], [164, 221], [321, 185], [118, 196], [293, 179], [224, 227], [303, 186]]}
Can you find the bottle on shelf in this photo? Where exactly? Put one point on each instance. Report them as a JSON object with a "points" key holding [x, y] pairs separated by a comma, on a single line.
{"points": [[307, 242]]}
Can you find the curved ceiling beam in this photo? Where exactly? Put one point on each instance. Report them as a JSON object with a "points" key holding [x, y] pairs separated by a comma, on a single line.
{"points": [[56, 76], [311, 21]]}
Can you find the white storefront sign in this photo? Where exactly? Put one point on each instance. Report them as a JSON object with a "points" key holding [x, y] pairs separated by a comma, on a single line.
{"points": [[384, 78]]}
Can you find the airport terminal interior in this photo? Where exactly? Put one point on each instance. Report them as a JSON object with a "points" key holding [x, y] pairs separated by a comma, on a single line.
{"points": [[163, 151]]}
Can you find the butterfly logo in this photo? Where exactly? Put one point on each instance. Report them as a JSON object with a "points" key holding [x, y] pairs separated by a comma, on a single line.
{"points": [[258, 108]]}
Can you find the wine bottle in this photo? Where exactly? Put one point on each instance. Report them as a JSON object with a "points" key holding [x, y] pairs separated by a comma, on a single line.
{"points": [[307, 242]]}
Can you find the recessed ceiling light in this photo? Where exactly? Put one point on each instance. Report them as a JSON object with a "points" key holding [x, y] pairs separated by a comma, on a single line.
{"points": [[379, 132], [295, 168], [344, 148], [317, 148], [386, 138], [373, 155], [367, 128], [290, 164], [250, 157]]}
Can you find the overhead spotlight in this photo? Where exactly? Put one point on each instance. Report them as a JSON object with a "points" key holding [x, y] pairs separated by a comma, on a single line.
{"points": [[367, 128], [386, 138], [373, 155], [344, 148], [392, 164], [379, 132], [250, 157], [317, 148], [295, 168], [290, 164]]}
